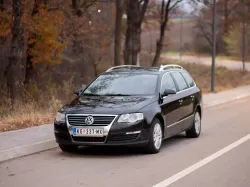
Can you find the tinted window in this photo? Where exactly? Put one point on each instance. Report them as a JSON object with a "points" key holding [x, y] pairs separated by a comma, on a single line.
{"points": [[123, 84], [182, 85], [167, 83], [188, 78]]}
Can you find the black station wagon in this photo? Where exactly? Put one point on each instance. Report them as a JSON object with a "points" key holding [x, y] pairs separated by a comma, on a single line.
{"points": [[131, 106]]}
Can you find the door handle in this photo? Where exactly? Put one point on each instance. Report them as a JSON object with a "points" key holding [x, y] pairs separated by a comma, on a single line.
{"points": [[180, 101]]}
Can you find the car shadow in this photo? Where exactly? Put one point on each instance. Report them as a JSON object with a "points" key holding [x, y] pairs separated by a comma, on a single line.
{"points": [[120, 151]]}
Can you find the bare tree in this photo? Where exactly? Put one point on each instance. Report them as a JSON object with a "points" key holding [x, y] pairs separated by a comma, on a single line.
{"points": [[135, 14], [226, 17], [120, 5], [166, 8], [17, 54]]}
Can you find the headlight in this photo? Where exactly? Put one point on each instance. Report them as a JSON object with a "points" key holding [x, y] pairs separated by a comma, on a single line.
{"points": [[130, 118], [60, 117]]}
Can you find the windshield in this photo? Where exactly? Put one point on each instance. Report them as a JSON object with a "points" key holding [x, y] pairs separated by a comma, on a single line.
{"points": [[123, 84]]}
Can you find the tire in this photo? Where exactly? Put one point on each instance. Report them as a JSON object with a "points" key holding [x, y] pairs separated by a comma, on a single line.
{"points": [[155, 134], [68, 148], [195, 130]]}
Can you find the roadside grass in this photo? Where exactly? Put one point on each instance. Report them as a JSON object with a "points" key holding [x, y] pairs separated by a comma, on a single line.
{"points": [[39, 108], [26, 116], [234, 58], [186, 53], [42, 110]]}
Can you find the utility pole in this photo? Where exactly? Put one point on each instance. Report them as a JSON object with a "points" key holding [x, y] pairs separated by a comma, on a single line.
{"points": [[214, 48], [244, 36]]}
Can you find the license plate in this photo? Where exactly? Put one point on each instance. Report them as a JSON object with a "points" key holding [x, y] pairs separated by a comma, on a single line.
{"points": [[90, 132]]}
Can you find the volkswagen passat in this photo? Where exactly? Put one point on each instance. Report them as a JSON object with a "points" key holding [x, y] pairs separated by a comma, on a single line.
{"points": [[131, 106]]}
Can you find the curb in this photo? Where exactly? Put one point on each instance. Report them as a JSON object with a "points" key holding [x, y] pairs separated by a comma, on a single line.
{"points": [[37, 147], [27, 150]]}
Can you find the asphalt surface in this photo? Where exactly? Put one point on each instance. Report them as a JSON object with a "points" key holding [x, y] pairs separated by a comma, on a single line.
{"points": [[118, 167]]}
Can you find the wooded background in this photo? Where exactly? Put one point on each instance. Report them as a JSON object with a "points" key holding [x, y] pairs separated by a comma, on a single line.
{"points": [[50, 47]]}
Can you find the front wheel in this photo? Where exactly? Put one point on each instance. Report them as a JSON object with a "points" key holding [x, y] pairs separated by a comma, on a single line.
{"points": [[195, 130], [155, 137], [68, 148]]}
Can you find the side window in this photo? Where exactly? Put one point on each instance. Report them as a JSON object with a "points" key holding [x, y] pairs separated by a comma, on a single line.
{"points": [[167, 83], [188, 78], [180, 81]]}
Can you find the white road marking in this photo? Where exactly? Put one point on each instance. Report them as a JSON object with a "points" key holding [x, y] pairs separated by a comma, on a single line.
{"points": [[201, 163]]}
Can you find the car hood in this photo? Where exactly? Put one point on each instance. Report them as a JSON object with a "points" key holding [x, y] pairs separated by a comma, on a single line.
{"points": [[106, 104]]}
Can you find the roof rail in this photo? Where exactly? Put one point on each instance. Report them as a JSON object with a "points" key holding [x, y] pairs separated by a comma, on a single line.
{"points": [[123, 66], [169, 66]]}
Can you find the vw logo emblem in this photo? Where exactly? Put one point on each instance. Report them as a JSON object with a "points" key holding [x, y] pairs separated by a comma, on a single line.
{"points": [[89, 120]]}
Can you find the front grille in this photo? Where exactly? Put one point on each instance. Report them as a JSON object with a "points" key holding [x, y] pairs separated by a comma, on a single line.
{"points": [[79, 120], [89, 139], [122, 137]]}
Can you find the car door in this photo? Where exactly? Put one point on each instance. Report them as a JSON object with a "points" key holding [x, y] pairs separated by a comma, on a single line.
{"points": [[190, 99], [183, 118], [170, 105]]}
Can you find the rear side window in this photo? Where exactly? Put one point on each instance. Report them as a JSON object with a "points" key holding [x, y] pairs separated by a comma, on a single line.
{"points": [[180, 81], [188, 78], [167, 83]]}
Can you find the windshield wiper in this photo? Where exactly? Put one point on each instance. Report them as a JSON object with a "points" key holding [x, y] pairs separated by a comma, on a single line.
{"points": [[90, 94], [117, 95]]}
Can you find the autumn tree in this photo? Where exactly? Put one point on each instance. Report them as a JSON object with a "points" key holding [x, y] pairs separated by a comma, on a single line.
{"points": [[44, 45], [135, 14], [1, 5], [32, 36], [5, 23]]}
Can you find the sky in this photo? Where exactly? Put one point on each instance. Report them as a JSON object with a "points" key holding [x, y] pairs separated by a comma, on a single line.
{"points": [[185, 4]]}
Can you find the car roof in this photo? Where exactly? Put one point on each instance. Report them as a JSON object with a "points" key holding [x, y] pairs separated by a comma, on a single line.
{"points": [[148, 70]]}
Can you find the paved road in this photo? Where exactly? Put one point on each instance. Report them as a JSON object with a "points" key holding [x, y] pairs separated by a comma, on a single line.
{"points": [[231, 64], [93, 167]]}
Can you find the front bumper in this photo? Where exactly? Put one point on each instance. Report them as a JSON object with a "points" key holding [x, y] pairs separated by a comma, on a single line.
{"points": [[118, 135]]}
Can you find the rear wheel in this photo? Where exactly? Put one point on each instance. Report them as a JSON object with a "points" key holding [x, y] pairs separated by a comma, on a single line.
{"points": [[155, 137], [195, 130], [68, 148]]}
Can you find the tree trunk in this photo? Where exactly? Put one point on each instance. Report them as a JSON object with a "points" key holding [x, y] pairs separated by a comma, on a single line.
{"points": [[15, 69], [159, 43], [133, 42], [118, 33], [135, 14], [158, 51]]}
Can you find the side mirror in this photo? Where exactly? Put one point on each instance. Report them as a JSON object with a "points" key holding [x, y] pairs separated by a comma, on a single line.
{"points": [[78, 92], [168, 92]]}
